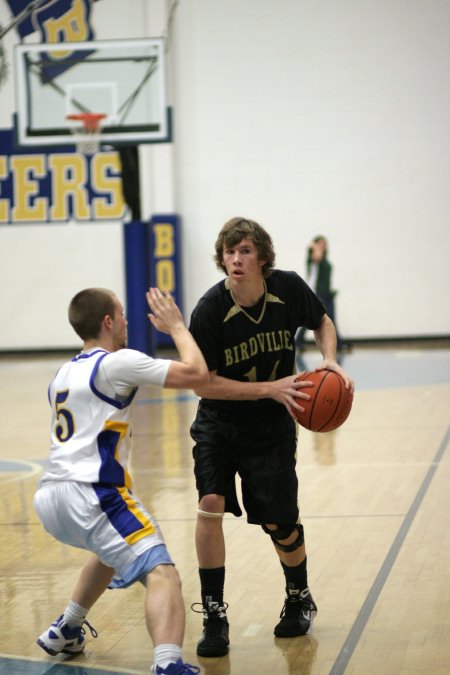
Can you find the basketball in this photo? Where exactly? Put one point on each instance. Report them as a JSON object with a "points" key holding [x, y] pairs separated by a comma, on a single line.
{"points": [[330, 402]]}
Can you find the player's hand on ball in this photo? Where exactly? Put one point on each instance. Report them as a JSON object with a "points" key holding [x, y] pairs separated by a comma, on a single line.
{"points": [[328, 364], [330, 401], [289, 392]]}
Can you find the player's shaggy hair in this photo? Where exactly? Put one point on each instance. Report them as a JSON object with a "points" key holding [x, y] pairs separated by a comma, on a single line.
{"points": [[87, 310], [237, 229]]}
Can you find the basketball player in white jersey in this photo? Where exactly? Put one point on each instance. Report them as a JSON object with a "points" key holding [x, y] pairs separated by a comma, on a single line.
{"points": [[85, 498]]}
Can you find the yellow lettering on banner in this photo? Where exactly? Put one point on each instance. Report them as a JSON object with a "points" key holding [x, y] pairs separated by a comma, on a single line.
{"points": [[69, 180], [70, 27], [165, 275], [164, 240], [114, 205], [4, 203], [25, 188]]}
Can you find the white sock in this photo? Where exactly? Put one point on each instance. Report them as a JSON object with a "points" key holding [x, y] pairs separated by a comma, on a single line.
{"points": [[165, 654], [74, 614]]}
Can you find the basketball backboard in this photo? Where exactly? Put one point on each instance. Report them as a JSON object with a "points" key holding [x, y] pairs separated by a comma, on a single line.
{"points": [[124, 79]]}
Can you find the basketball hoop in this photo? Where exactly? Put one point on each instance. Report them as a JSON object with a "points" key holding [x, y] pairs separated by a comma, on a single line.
{"points": [[90, 130]]}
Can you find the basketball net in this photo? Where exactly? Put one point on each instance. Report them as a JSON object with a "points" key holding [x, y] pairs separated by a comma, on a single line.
{"points": [[89, 128]]}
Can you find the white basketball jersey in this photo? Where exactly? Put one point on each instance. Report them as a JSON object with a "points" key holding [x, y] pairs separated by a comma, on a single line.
{"points": [[90, 398]]}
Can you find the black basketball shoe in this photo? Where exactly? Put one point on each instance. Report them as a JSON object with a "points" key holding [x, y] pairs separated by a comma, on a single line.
{"points": [[214, 641], [297, 615]]}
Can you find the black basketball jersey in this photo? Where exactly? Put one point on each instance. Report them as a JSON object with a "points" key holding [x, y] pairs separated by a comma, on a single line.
{"points": [[257, 343]]}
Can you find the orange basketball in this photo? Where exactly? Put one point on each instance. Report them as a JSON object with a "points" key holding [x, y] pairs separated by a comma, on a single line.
{"points": [[330, 402]]}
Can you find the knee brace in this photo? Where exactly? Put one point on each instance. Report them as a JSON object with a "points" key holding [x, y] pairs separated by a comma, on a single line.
{"points": [[283, 532]]}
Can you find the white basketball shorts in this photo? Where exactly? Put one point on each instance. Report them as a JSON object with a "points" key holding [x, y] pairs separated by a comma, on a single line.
{"points": [[108, 521]]}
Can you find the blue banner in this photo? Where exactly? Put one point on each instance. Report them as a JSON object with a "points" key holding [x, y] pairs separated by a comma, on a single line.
{"points": [[40, 185], [21, 10], [141, 335], [152, 258], [165, 261], [56, 21]]}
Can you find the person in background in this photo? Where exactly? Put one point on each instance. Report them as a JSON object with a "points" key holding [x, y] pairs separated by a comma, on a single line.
{"points": [[319, 273], [85, 496], [245, 326]]}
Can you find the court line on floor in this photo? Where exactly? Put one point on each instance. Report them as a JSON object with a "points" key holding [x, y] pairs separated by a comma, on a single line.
{"points": [[365, 612], [22, 470], [35, 666]]}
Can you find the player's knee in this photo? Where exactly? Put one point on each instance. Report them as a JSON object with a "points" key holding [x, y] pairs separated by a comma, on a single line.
{"points": [[211, 506], [279, 534], [164, 573], [175, 577]]}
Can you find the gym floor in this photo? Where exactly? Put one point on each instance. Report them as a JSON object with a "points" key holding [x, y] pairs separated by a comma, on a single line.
{"points": [[374, 502]]}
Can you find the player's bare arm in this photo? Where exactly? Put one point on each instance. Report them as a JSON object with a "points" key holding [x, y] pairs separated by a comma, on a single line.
{"points": [[325, 337], [191, 371], [286, 390]]}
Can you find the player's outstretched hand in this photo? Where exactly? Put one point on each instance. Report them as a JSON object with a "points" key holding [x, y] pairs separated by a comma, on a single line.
{"points": [[165, 314]]}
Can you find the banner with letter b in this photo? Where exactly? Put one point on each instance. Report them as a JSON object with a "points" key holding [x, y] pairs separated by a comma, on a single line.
{"points": [[152, 258]]}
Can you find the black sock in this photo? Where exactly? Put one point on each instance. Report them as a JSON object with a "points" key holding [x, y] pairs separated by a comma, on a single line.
{"points": [[212, 582], [296, 578]]}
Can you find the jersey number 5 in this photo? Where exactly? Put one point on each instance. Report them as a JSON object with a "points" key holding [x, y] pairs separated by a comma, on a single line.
{"points": [[65, 426]]}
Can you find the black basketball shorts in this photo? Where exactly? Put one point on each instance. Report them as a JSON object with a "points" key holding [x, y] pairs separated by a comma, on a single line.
{"points": [[260, 449]]}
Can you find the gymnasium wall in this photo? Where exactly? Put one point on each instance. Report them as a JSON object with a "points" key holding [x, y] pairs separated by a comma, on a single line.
{"points": [[310, 117]]}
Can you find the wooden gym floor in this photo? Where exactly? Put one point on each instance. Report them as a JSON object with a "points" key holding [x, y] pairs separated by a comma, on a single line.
{"points": [[375, 504]]}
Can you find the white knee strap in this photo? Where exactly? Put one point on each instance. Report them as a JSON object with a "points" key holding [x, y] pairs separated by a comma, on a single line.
{"points": [[209, 514]]}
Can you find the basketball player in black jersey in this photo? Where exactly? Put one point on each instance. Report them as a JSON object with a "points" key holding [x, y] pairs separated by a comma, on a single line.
{"points": [[245, 326]]}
